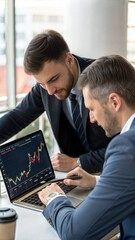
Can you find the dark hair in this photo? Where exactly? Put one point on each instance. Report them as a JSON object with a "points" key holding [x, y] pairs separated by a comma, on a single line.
{"points": [[47, 46], [110, 74]]}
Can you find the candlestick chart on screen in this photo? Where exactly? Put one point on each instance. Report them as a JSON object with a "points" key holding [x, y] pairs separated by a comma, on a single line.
{"points": [[25, 164], [32, 158]]}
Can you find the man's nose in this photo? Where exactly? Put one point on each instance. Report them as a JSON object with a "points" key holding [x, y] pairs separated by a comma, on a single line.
{"points": [[49, 89]]}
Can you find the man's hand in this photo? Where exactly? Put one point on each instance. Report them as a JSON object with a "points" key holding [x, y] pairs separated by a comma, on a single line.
{"points": [[64, 163], [44, 193], [87, 180]]}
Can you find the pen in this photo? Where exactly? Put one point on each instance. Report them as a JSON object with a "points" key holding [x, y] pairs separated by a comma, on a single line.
{"points": [[71, 177]]}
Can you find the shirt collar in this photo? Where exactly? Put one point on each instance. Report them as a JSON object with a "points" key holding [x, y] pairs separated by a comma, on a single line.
{"points": [[128, 123]]}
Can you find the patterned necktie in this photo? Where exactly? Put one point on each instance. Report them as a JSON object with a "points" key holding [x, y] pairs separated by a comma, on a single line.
{"points": [[78, 120]]}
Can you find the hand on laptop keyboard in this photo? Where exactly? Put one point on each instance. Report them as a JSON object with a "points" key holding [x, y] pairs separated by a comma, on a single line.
{"points": [[34, 198]]}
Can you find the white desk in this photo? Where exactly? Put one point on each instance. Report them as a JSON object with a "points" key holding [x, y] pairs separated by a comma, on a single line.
{"points": [[31, 225]]}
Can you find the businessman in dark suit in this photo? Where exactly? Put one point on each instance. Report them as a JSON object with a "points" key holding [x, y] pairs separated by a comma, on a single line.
{"points": [[108, 86], [56, 71]]}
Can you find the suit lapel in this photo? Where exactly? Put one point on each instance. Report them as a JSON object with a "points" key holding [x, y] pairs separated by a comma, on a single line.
{"points": [[55, 107]]}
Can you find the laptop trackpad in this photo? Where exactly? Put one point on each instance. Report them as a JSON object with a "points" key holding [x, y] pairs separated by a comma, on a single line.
{"points": [[75, 201]]}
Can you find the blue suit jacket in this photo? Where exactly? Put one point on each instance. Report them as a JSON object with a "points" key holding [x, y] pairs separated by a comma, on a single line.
{"points": [[111, 202], [36, 102]]}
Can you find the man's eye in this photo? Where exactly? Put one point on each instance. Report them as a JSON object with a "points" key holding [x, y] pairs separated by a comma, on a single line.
{"points": [[54, 79]]}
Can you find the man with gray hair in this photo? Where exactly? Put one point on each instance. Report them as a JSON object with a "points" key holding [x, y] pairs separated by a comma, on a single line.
{"points": [[108, 86]]}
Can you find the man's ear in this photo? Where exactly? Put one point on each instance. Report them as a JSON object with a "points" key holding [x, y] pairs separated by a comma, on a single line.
{"points": [[69, 58], [115, 101]]}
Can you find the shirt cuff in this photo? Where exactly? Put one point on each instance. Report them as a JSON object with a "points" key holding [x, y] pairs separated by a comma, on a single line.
{"points": [[97, 178], [79, 163], [55, 197]]}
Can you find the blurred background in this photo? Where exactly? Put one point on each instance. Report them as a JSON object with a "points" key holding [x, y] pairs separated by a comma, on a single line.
{"points": [[92, 28]]}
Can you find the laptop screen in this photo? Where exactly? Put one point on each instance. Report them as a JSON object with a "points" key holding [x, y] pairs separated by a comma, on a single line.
{"points": [[25, 163]]}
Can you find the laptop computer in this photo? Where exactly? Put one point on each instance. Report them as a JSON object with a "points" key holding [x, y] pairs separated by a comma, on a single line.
{"points": [[26, 169]]}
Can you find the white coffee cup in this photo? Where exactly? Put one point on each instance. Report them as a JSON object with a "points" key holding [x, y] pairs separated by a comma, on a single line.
{"points": [[8, 217]]}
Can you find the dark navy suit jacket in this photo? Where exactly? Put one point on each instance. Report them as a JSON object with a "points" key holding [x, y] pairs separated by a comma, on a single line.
{"points": [[111, 202], [36, 102]]}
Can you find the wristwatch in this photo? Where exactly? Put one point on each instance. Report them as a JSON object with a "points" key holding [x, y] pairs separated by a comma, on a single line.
{"points": [[51, 196]]}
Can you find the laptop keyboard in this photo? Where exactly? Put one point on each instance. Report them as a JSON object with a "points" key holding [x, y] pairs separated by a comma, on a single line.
{"points": [[34, 199]]}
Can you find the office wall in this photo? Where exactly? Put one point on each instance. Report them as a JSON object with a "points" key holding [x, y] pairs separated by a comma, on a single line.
{"points": [[96, 27]]}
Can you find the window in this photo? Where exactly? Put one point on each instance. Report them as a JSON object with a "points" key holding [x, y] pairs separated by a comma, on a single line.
{"points": [[3, 87], [29, 19], [131, 32], [20, 18]]}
